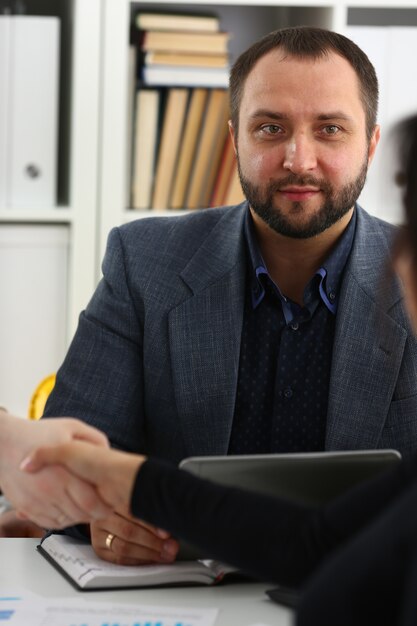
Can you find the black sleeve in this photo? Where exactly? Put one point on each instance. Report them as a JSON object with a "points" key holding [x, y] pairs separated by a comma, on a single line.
{"points": [[373, 578], [271, 538]]}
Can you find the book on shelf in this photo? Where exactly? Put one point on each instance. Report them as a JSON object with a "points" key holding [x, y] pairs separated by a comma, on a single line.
{"points": [[145, 146], [77, 561], [172, 127], [212, 132], [197, 60], [185, 76], [184, 59], [130, 126], [198, 100], [178, 41], [224, 173], [177, 21], [214, 161]]}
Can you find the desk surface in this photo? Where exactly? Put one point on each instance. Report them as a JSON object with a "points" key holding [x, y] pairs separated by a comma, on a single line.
{"points": [[21, 566]]}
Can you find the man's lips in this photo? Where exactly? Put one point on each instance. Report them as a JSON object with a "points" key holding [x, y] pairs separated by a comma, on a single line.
{"points": [[299, 193]]}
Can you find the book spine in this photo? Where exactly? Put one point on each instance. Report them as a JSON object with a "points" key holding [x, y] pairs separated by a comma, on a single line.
{"points": [[171, 135], [145, 146], [188, 147]]}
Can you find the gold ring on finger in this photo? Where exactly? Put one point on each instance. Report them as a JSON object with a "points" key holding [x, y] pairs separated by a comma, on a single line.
{"points": [[109, 541]]}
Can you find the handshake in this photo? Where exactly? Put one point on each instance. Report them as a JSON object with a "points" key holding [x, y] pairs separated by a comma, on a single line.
{"points": [[61, 472]]}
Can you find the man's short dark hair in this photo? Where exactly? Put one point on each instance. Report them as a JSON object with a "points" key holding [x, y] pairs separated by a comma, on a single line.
{"points": [[306, 42]]}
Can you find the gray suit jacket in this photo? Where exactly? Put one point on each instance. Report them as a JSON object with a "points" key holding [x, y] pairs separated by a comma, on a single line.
{"points": [[154, 362]]}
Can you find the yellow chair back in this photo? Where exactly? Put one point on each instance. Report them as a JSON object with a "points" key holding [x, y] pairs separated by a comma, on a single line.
{"points": [[40, 396]]}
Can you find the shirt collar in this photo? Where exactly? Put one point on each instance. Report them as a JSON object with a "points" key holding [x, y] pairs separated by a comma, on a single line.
{"points": [[327, 277]]}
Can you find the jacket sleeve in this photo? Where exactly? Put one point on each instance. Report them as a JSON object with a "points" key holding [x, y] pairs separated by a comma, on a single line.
{"points": [[101, 378]]}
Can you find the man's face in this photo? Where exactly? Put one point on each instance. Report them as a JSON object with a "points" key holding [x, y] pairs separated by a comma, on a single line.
{"points": [[302, 148]]}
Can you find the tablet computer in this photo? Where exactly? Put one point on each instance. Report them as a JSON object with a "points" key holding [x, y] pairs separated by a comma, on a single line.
{"points": [[313, 477]]}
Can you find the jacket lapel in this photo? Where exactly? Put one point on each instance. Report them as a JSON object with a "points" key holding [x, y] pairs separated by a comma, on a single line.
{"points": [[204, 335], [368, 345]]}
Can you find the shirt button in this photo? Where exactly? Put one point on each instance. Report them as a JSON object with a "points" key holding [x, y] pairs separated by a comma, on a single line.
{"points": [[288, 392], [295, 326], [332, 295]]}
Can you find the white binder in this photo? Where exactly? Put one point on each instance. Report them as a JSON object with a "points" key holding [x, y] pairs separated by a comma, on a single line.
{"points": [[4, 104], [29, 79]]}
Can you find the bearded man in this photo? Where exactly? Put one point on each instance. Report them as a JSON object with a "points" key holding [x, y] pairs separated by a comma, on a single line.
{"points": [[271, 326]]}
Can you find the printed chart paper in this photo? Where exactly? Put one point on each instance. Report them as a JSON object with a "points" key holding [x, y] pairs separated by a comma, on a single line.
{"points": [[21, 609]]}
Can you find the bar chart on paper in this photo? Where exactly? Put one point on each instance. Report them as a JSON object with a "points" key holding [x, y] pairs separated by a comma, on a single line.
{"points": [[24, 609], [135, 623], [125, 615]]}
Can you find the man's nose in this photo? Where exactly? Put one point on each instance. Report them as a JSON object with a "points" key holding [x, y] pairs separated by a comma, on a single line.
{"points": [[300, 155]]}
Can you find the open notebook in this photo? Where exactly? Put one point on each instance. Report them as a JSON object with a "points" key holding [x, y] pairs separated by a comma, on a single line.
{"points": [[77, 561]]}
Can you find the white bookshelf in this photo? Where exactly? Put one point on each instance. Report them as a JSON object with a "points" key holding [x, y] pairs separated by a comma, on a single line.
{"points": [[57, 245], [80, 84]]}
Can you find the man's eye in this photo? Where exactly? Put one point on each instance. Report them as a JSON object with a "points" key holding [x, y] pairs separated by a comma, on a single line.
{"points": [[271, 129], [332, 129]]}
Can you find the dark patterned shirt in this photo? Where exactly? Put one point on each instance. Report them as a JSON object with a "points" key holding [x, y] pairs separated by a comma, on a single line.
{"points": [[285, 356]]}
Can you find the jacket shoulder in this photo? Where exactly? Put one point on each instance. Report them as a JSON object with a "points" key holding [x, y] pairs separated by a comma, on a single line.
{"points": [[176, 229], [155, 245], [372, 224]]}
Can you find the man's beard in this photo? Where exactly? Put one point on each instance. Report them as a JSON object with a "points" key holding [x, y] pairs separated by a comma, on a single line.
{"points": [[334, 207]]}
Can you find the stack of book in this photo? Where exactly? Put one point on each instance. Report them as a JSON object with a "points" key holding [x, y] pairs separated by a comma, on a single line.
{"points": [[182, 155], [183, 50]]}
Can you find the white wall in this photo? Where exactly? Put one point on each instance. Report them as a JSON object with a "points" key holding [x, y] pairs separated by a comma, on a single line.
{"points": [[33, 308]]}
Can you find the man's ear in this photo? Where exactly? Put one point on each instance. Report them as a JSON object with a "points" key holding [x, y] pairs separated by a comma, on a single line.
{"points": [[373, 143], [233, 135]]}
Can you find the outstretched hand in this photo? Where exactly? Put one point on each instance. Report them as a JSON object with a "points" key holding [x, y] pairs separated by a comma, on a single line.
{"points": [[53, 497], [111, 472]]}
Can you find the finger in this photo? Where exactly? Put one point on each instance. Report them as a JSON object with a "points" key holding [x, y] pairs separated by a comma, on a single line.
{"points": [[53, 517], [62, 499], [40, 457], [131, 543], [134, 532], [159, 532], [126, 553], [87, 500], [90, 434], [57, 486], [75, 500], [78, 457], [123, 553], [108, 547]]}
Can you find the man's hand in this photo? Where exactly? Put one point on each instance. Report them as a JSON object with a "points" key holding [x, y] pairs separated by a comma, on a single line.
{"points": [[128, 541], [52, 498]]}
